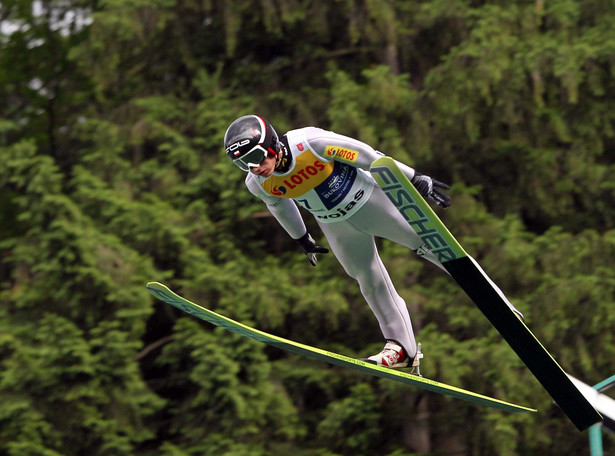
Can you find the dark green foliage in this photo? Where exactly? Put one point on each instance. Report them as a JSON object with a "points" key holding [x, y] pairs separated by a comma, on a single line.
{"points": [[112, 174]]}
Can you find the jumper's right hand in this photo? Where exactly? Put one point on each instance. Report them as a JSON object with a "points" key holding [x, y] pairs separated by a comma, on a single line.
{"points": [[310, 248]]}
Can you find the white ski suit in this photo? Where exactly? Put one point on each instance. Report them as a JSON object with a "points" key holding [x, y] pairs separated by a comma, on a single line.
{"points": [[329, 177]]}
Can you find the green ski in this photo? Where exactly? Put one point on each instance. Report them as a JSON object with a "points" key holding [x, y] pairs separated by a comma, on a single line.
{"points": [[485, 294], [163, 293]]}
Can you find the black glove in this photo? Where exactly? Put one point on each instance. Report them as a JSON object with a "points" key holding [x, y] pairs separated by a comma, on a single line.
{"points": [[430, 188], [310, 248]]}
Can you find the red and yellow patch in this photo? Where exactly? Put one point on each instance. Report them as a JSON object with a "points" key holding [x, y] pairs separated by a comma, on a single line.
{"points": [[309, 172], [341, 153]]}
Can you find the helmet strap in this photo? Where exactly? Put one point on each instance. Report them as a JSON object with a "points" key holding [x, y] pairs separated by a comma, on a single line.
{"points": [[283, 161], [281, 153]]}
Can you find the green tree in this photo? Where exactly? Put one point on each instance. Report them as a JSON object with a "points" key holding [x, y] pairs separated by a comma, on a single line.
{"points": [[113, 174]]}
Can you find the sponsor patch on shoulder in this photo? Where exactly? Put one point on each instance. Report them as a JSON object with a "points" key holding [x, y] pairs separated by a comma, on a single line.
{"points": [[341, 153]]}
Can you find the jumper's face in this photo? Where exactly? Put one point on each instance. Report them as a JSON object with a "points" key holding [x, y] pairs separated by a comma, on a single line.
{"points": [[266, 168]]}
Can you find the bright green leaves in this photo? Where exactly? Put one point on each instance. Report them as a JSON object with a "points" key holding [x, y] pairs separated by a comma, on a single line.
{"points": [[377, 111], [355, 417], [220, 387], [66, 389]]}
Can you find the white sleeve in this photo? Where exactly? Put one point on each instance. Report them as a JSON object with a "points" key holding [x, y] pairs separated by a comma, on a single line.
{"points": [[353, 152], [284, 210], [409, 172]]}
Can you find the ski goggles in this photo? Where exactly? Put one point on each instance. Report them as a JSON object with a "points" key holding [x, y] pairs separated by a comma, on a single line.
{"points": [[251, 159]]}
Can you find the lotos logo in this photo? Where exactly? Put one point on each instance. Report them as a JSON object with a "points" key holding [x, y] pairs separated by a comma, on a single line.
{"points": [[300, 147], [298, 178], [341, 153]]}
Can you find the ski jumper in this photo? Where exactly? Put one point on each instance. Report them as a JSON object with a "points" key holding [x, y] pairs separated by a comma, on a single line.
{"points": [[328, 176]]}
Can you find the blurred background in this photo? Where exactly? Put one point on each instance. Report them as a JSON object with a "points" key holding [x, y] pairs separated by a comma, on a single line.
{"points": [[113, 174]]}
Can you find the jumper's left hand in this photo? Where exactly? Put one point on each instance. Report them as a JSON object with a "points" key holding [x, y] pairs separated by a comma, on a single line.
{"points": [[431, 189]]}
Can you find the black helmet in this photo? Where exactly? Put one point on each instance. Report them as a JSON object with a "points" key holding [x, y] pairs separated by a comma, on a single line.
{"points": [[249, 140]]}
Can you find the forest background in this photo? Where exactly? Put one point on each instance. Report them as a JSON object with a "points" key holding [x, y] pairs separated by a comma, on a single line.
{"points": [[113, 173]]}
